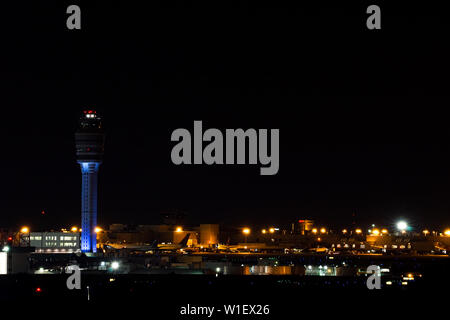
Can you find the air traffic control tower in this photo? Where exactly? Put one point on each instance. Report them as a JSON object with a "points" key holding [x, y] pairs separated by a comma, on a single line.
{"points": [[89, 141]]}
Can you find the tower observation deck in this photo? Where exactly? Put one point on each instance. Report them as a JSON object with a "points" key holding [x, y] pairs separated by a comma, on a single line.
{"points": [[89, 141]]}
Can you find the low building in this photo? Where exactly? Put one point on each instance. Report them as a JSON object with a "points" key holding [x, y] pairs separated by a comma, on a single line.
{"points": [[53, 242], [302, 226]]}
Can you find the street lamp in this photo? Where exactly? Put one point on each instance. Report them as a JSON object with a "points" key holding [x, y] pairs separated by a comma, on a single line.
{"points": [[25, 230], [447, 232], [24, 237], [358, 231], [115, 265], [402, 226], [246, 232]]}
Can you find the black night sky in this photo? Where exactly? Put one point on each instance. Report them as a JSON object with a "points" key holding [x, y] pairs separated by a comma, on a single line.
{"points": [[363, 115]]}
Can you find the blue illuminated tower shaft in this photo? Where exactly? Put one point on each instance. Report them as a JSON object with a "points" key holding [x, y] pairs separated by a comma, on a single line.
{"points": [[89, 190]]}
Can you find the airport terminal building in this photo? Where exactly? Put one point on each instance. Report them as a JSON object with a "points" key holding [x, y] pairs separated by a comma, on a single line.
{"points": [[54, 242]]}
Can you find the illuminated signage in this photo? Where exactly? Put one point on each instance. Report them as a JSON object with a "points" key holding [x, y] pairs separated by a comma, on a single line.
{"points": [[3, 263]]}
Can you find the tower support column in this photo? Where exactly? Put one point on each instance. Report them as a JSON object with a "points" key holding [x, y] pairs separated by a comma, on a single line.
{"points": [[89, 190]]}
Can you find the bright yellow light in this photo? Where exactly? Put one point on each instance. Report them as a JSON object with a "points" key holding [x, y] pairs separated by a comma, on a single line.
{"points": [[98, 229], [25, 230], [447, 232], [344, 231], [246, 231], [272, 230], [179, 229], [323, 230], [358, 231], [384, 231], [74, 229], [425, 232], [376, 232], [263, 231], [314, 230]]}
